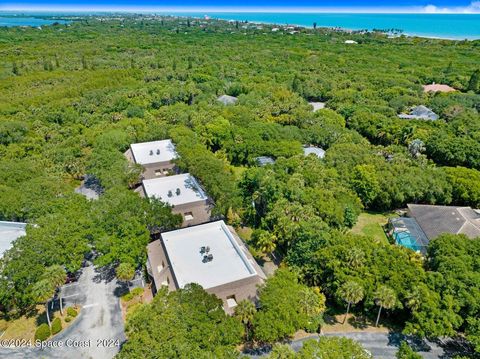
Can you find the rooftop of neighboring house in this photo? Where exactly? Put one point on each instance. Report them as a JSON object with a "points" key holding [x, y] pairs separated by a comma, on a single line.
{"points": [[317, 151], [174, 190], [437, 88], [264, 160], [436, 220], [420, 113], [153, 152], [317, 105], [227, 100], [9, 232]]}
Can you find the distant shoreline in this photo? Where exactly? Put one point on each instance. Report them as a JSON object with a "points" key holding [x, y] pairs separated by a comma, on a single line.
{"points": [[452, 27]]}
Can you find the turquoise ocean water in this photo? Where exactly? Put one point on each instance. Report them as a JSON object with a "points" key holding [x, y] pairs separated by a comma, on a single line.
{"points": [[447, 26]]}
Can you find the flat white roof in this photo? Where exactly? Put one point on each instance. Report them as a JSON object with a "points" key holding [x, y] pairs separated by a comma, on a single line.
{"points": [[317, 151], [152, 152], [229, 262], [174, 190], [9, 232]]}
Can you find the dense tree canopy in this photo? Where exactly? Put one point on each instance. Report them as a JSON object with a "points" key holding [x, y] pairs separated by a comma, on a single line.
{"points": [[73, 97]]}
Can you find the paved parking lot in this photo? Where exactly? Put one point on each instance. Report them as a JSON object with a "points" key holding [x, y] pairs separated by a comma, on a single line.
{"points": [[98, 332]]}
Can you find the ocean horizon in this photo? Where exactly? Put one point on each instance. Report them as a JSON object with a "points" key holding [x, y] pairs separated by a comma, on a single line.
{"points": [[443, 26]]}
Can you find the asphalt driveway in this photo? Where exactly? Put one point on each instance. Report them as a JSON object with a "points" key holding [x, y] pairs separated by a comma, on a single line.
{"points": [[98, 332]]}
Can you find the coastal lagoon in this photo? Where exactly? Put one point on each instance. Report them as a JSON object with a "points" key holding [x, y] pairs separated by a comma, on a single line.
{"points": [[27, 21]]}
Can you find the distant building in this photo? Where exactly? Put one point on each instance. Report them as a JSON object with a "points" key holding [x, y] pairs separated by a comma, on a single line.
{"points": [[426, 222], [211, 255], [350, 42], [156, 157], [317, 106], [227, 100], [9, 232], [438, 88], [262, 161], [317, 151], [183, 193], [420, 113]]}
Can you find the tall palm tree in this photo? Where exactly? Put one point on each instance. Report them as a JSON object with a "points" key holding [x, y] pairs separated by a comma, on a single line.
{"points": [[352, 293], [385, 297], [57, 276], [43, 291], [245, 311]]}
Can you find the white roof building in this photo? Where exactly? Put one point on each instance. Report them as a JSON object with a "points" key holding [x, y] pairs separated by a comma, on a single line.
{"points": [[211, 255], [174, 190], [227, 100], [317, 106], [153, 152], [228, 263], [317, 151], [9, 232]]}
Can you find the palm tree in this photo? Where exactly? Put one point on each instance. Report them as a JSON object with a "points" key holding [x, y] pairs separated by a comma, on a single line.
{"points": [[43, 291], [245, 311], [356, 258], [414, 299], [57, 276], [125, 273], [385, 297], [352, 293], [266, 242]]}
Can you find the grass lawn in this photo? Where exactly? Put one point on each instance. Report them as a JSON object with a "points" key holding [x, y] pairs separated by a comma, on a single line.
{"points": [[371, 224], [23, 327]]}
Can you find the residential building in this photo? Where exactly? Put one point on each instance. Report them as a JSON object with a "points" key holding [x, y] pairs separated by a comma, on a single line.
{"points": [[426, 222], [437, 88], [211, 255], [10, 232], [155, 157], [262, 161], [227, 100], [420, 113], [183, 193], [317, 151], [317, 106]]}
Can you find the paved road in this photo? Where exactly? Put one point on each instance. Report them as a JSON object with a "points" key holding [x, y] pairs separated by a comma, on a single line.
{"points": [[385, 345], [98, 331]]}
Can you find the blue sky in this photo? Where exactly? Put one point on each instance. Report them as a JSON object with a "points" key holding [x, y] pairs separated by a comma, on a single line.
{"points": [[427, 6]]}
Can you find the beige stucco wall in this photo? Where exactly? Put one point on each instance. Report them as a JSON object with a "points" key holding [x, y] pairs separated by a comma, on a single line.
{"points": [[149, 170], [244, 289]]}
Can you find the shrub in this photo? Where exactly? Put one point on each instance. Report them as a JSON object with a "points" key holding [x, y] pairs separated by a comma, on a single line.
{"points": [[137, 291], [71, 312], [43, 332], [127, 297], [56, 326], [68, 319]]}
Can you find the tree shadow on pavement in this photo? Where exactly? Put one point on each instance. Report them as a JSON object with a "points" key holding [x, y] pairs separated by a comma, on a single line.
{"points": [[105, 274]]}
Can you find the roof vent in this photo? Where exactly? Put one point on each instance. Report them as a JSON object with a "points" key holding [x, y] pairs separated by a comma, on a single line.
{"points": [[178, 191], [170, 194], [151, 153], [202, 249], [158, 151]]}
